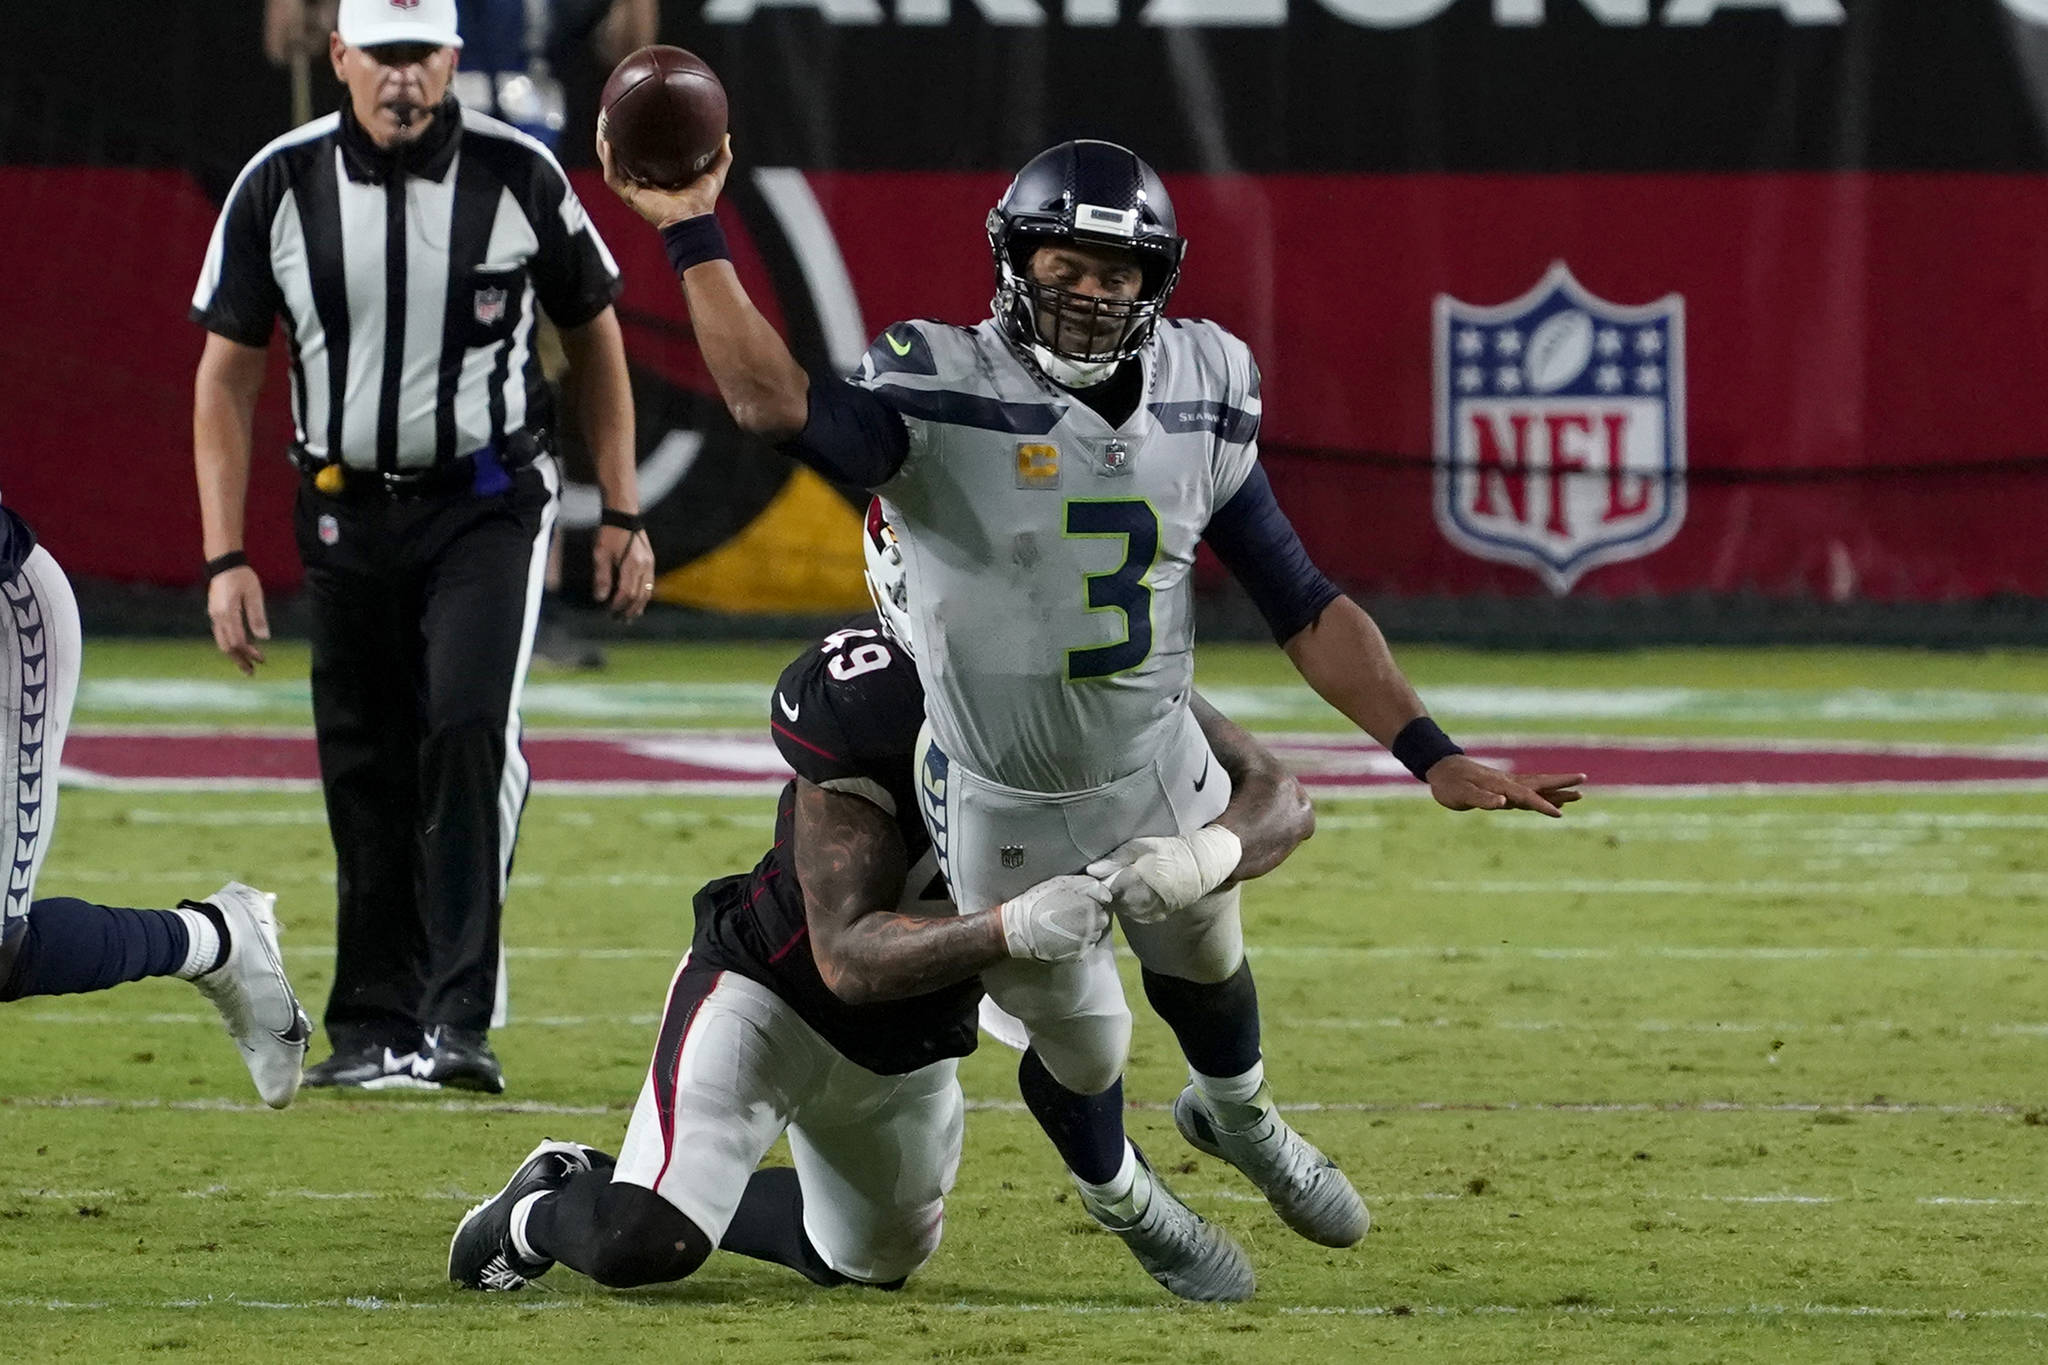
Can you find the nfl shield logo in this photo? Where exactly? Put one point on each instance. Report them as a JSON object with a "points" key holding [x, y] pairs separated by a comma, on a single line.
{"points": [[1560, 427], [1013, 855], [490, 305], [330, 530], [1116, 456], [405, 4]]}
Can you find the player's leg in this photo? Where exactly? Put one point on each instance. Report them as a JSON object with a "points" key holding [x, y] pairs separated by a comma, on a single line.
{"points": [[728, 1061], [365, 687], [63, 946], [994, 843], [1197, 979], [481, 599], [875, 1158]]}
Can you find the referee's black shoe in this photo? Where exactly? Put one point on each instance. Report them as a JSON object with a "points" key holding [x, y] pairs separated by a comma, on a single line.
{"points": [[368, 1064], [459, 1059]]}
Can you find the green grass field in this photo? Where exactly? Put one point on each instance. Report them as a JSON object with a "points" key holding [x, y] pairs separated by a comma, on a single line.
{"points": [[1699, 1079]]}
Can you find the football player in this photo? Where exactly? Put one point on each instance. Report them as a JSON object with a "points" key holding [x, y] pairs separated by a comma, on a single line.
{"points": [[1052, 471], [226, 944], [828, 993]]}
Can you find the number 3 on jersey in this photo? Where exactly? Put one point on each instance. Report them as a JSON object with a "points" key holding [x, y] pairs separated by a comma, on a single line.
{"points": [[1123, 589]]}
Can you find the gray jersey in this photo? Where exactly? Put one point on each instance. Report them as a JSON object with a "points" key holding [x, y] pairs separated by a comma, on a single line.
{"points": [[1049, 555]]}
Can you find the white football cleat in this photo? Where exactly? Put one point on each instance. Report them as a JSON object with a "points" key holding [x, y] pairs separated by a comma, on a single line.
{"points": [[254, 996], [1191, 1257], [1304, 1187]]}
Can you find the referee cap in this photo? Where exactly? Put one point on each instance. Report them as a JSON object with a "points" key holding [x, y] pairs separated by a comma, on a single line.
{"points": [[368, 23]]}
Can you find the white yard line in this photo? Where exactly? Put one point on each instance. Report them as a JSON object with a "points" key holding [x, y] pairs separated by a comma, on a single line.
{"points": [[356, 1102], [1224, 1195], [86, 1017], [1166, 1309]]}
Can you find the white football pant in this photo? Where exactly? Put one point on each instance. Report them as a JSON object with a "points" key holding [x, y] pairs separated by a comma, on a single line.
{"points": [[39, 660], [995, 841], [734, 1067]]}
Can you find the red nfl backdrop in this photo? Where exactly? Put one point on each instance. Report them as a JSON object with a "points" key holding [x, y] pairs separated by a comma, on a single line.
{"points": [[1567, 300]]}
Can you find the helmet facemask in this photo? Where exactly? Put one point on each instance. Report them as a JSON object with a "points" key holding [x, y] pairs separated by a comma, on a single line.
{"points": [[1087, 329]]}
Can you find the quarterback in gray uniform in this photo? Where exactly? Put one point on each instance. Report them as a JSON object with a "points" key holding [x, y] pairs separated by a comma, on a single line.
{"points": [[1050, 473]]}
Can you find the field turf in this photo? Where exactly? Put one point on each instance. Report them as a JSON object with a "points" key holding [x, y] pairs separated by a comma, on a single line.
{"points": [[1736, 1078]]}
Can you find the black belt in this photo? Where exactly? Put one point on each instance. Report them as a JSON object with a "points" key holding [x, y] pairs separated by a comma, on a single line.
{"points": [[478, 471]]}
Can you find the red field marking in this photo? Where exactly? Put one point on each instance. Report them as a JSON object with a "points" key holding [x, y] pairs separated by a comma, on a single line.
{"points": [[741, 763]]}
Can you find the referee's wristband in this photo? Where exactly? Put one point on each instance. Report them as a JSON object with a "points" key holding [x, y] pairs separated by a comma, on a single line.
{"points": [[694, 241], [629, 522], [1422, 745], [220, 564]]}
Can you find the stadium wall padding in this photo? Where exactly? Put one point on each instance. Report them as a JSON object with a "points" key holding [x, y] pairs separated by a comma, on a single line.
{"points": [[1852, 209]]}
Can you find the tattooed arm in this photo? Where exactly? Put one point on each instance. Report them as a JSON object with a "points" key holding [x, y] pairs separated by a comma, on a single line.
{"points": [[850, 860], [1269, 811]]}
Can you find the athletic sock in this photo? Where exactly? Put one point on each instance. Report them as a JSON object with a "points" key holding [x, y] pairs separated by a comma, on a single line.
{"points": [[1215, 1022], [1119, 1194], [71, 947], [522, 1212], [206, 931], [1086, 1130], [1235, 1101], [769, 1226]]}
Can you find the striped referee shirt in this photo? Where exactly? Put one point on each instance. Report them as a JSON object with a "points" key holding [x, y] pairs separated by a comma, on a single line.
{"points": [[408, 282]]}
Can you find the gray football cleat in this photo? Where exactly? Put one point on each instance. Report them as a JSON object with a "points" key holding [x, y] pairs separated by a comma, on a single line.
{"points": [[481, 1254], [1304, 1187], [1193, 1258], [254, 996]]}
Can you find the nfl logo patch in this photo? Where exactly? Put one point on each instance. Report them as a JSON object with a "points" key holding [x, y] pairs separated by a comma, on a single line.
{"points": [[1560, 427], [405, 4], [1013, 855], [1116, 456], [490, 303], [330, 529]]}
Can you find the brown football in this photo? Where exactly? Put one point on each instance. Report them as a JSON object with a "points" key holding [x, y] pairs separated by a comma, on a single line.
{"points": [[663, 111]]}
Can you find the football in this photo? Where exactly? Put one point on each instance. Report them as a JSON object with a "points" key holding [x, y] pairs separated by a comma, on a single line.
{"points": [[663, 111], [1558, 350]]}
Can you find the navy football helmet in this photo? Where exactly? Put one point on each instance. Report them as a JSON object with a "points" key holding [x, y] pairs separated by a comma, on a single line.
{"points": [[1093, 194]]}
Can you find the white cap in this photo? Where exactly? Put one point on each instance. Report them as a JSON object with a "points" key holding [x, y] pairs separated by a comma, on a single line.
{"points": [[368, 23]]}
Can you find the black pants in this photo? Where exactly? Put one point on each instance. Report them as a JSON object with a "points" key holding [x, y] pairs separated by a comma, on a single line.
{"points": [[423, 613]]}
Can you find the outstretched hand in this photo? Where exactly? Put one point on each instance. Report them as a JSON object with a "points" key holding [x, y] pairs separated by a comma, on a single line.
{"points": [[662, 207], [1462, 782]]}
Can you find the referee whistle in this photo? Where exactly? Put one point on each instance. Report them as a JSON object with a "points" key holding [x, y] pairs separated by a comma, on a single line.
{"points": [[330, 479]]}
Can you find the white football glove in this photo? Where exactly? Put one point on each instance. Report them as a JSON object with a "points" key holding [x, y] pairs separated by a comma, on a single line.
{"points": [[1156, 877], [1057, 920]]}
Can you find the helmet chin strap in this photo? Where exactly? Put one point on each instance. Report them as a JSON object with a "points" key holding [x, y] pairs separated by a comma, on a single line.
{"points": [[1072, 374]]}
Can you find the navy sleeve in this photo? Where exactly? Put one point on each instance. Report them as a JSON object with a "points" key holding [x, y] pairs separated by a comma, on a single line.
{"points": [[16, 541], [850, 436], [1256, 542]]}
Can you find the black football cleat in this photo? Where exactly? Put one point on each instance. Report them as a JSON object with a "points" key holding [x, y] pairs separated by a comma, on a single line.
{"points": [[368, 1065], [481, 1255], [459, 1059]]}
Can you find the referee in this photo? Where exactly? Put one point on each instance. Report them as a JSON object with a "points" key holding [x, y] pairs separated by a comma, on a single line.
{"points": [[409, 244]]}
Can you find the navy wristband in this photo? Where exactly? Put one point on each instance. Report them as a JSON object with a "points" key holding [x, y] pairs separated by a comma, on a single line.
{"points": [[694, 241], [1422, 745]]}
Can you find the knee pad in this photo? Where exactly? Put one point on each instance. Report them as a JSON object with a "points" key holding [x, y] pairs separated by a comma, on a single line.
{"points": [[900, 1254], [1203, 943], [1084, 1052], [641, 1238]]}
